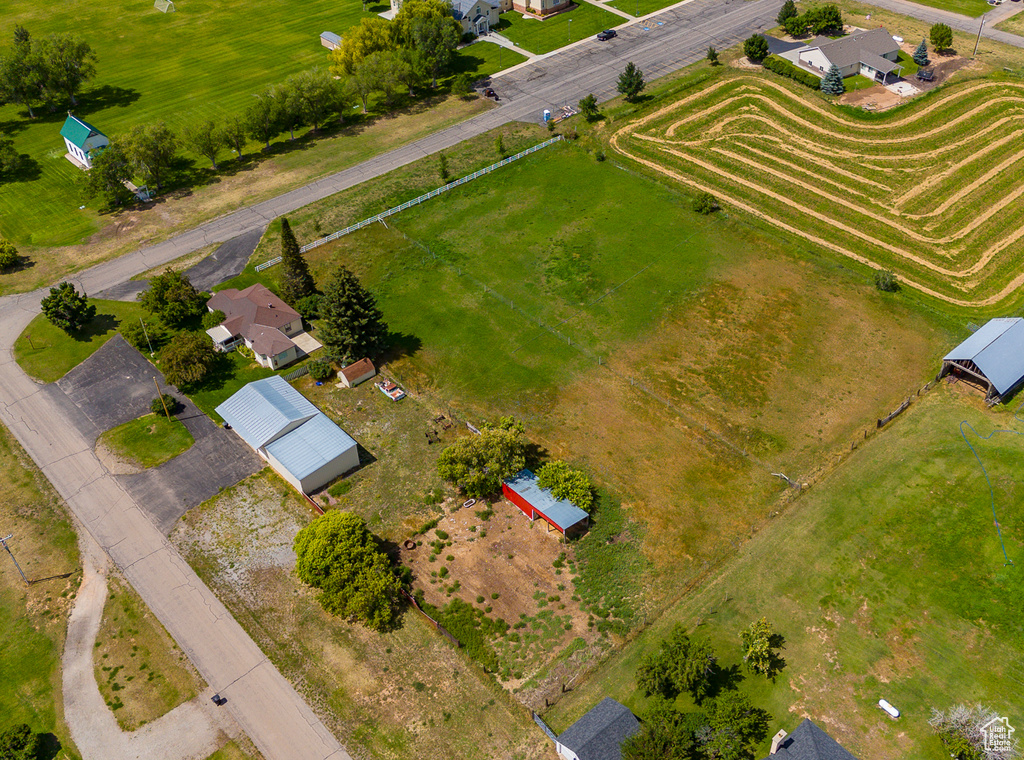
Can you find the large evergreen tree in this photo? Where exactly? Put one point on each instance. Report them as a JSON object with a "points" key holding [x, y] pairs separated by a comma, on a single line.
{"points": [[296, 281], [631, 82], [833, 82], [921, 54], [787, 11], [68, 309], [352, 327]]}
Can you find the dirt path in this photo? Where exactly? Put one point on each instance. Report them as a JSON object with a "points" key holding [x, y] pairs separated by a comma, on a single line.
{"points": [[192, 731]]}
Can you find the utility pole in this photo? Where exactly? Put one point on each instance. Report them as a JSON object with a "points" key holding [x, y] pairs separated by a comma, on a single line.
{"points": [[160, 396], [4, 541], [978, 42]]}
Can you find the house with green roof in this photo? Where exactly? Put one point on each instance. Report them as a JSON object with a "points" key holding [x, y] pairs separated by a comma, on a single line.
{"points": [[83, 141]]}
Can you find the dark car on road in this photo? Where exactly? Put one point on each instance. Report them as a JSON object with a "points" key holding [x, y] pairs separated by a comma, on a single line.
{"points": [[607, 34]]}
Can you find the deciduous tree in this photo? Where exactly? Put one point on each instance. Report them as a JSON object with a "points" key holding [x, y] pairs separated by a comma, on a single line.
{"points": [[291, 109], [206, 138], [70, 62], [665, 734], [188, 358], [172, 297], [263, 118], [712, 56], [338, 555], [317, 91], [22, 72], [631, 82], [371, 35], [566, 482], [110, 170], [19, 743], [941, 36], [589, 108], [352, 327], [787, 11], [9, 256], [760, 645], [735, 727], [755, 47], [235, 133], [10, 159], [68, 309], [151, 148], [478, 463], [435, 39], [296, 281]]}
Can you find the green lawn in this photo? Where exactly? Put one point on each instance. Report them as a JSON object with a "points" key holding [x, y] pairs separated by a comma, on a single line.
{"points": [[641, 8], [47, 353], [148, 441], [484, 58], [886, 579], [972, 8], [539, 36]]}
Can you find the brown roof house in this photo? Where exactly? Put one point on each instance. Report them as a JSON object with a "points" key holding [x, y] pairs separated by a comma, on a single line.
{"points": [[356, 373], [261, 320]]}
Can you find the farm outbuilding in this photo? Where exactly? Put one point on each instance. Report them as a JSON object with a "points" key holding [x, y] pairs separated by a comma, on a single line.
{"points": [[599, 734], [993, 358], [355, 373], [298, 440], [82, 140], [330, 40], [535, 502]]}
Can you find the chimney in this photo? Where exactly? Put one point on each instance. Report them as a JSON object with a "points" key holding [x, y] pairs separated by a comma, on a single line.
{"points": [[777, 741]]}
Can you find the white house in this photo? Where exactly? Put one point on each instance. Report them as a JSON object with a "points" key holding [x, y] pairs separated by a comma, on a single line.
{"points": [[476, 16], [298, 440], [261, 320], [83, 141], [870, 52]]}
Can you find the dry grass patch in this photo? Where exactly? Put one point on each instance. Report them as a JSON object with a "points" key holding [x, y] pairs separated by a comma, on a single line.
{"points": [[141, 673]]}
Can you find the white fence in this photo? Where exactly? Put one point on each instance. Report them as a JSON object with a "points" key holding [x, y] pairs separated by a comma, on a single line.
{"points": [[415, 201]]}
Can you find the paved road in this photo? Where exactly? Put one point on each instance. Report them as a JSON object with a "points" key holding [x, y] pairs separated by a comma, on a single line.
{"points": [[957, 21]]}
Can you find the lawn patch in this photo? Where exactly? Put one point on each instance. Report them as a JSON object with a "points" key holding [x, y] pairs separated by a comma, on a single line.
{"points": [[231, 372], [48, 353], [542, 36], [140, 670], [148, 441]]}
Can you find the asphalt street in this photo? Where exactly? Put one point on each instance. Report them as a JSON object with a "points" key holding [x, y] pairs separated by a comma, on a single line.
{"points": [[263, 703]]}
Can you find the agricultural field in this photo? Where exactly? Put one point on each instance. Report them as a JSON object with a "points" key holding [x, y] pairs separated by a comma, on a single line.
{"points": [[927, 191], [887, 581]]}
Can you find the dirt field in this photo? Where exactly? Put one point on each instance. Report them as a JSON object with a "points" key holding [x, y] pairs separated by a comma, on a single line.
{"points": [[385, 696]]}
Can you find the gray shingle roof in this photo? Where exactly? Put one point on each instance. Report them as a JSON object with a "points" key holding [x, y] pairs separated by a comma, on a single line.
{"points": [[808, 742], [777, 46], [998, 350], [847, 50], [599, 734], [461, 8]]}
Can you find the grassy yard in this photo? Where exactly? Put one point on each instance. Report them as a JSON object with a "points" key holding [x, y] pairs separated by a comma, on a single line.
{"points": [[231, 372], [484, 58], [972, 8], [140, 671], [640, 7], [148, 441], [48, 353], [886, 579], [33, 618], [543, 36], [1014, 24]]}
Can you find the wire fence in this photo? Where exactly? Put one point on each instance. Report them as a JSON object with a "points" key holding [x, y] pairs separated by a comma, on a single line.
{"points": [[415, 201]]}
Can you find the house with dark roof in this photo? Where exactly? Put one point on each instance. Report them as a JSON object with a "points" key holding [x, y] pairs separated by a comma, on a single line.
{"points": [[599, 734], [261, 320], [870, 52], [299, 441], [535, 502], [992, 358], [807, 742], [82, 140]]}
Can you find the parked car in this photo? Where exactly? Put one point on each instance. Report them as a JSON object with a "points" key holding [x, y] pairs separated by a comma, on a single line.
{"points": [[489, 93], [925, 75], [606, 35]]}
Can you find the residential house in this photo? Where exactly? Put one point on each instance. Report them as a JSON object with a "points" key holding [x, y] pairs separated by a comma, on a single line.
{"points": [[476, 16], [871, 52], [807, 742], [261, 320], [298, 440], [541, 7], [83, 141], [599, 734]]}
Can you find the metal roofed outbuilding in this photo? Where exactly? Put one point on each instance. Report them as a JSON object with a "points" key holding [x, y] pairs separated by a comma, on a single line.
{"points": [[993, 357], [265, 410], [525, 492]]}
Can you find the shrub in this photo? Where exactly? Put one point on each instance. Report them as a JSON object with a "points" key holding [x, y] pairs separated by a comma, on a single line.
{"points": [[212, 318], [441, 534], [309, 307], [756, 48], [8, 255], [188, 358], [442, 573], [141, 337], [320, 370], [705, 203], [785, 68], [156, 406], [886, 281], [712, 56], [599, 156]]}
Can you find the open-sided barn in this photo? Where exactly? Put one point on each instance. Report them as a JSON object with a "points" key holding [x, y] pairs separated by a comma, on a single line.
{"points": [[993, 357], [525, 492]]}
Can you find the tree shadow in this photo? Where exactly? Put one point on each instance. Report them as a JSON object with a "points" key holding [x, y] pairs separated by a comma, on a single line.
{"points": [[13, 126], [536, 455], [49, 746], [101, 324], [724, 679], [400, 346], [107, 96], [26, 169]]}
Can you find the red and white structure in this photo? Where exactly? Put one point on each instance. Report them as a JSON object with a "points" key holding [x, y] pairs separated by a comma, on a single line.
{"points": [[538, 503]]}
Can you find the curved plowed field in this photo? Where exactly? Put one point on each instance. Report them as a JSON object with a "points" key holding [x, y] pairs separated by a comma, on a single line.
{"points": [[932, 192]]}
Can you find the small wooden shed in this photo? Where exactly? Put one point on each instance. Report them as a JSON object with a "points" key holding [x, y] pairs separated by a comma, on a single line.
{"points": [[330, 40], [356, 373]]}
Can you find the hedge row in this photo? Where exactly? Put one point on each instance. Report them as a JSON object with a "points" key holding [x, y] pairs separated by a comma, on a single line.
{"points": [[787, 69]]}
